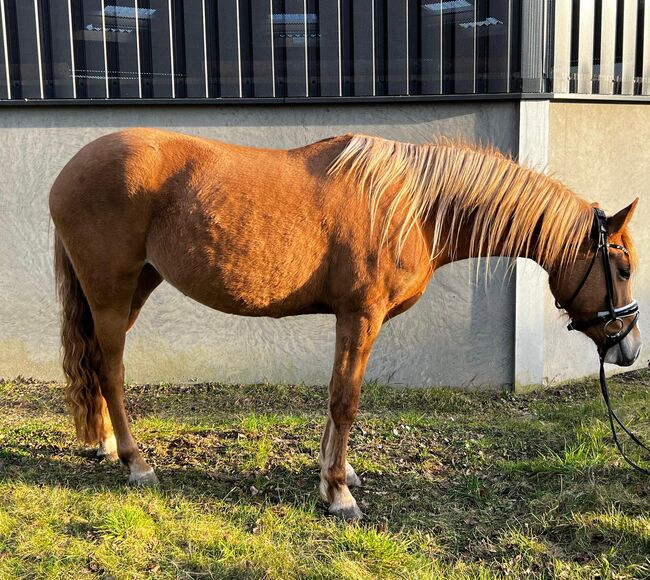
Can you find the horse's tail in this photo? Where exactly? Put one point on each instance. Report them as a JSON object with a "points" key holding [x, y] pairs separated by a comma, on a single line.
{"points": [[81, 353]]}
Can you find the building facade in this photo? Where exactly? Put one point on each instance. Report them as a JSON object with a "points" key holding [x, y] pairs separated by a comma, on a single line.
{"points": [[561, 84]]}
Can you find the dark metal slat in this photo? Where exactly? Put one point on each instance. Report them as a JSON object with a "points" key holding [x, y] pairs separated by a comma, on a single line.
{"points": [[262, 48], [328, 28], [192, 34], [155, 51], [4, 82], [228, 38], [396, 48], [122, 50], [55, 49], [23, 50], [295, 41], [431, 49], [362, 47]]}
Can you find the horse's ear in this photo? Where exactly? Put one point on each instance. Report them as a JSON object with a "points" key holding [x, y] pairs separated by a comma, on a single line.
{"points": [[619, 220], [595, 204]]}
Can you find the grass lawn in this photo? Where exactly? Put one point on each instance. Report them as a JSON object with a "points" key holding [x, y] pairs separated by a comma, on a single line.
{"points": [[458, 485]]}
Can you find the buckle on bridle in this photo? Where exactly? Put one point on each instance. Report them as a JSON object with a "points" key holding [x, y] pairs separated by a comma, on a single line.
{"points": [[616, 333]]}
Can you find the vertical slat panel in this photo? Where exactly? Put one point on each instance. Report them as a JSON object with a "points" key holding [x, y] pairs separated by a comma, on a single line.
{"points": [[39, 51], [396, 48], [586, 47], [5, 81], [532, 46], [88, 34], [204, 34], [228, 38], [414, 47], [295, 43], [561, 46], [431, 49], [262, 46], [459, 48], [155, 55], [172, 50], [245, 47], [645, 88], [312, 26], [160, 48], [73, 65], [279, 48], [607, 47], [45, 46], [345, 47], [414, 43], [629, 46], [212, 49], [105, 50], [192, 49], [493, 46], [23, 49], [55, 49], [177, 42], [122, 49], [362, 47], [306, 33], [379, 41], [137, 48], [328, 27]]}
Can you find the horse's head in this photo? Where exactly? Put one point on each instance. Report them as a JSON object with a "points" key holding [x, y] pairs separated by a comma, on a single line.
{"points": [[596, 291]]}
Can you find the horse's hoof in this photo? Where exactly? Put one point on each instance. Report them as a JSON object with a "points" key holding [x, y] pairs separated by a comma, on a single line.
{"points": [[143, 479], [351, 478], [349, 514]]}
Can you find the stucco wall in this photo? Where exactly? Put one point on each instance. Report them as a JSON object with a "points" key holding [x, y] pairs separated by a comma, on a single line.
{"points": [[450, 337], [601, 151]]}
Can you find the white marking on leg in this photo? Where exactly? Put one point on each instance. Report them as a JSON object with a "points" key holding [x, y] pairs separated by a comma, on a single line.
{"points": [[108, 447], [351, 478]]}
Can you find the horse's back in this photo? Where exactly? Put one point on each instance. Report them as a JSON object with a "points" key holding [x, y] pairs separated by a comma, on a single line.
{"points": [[252, 229], [241, 229]]}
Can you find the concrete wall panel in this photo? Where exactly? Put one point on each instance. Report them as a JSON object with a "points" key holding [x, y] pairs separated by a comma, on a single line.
{"points": [[600, 151], [459, 334]]}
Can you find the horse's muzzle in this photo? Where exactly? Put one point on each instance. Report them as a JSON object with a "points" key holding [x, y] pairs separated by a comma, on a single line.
{"points": [[625, 352]]}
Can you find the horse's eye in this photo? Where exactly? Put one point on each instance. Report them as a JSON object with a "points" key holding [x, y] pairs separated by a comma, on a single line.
{"points": [[625, 274]]}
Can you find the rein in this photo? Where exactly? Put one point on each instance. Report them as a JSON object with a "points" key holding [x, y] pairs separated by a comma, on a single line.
{"points": [[614, 326]]}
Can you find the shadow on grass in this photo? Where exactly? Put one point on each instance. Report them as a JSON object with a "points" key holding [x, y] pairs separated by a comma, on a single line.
{"points": [[477, 473]]}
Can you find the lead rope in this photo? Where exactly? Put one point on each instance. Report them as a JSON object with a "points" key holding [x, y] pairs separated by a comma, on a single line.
{"points": [[614, 417]]}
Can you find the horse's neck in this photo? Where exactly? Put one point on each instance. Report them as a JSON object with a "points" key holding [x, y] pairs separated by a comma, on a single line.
{"points": [[512, 215]]}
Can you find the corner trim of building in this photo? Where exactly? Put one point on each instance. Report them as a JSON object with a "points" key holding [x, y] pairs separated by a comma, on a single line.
{"points": [[529, 297]]}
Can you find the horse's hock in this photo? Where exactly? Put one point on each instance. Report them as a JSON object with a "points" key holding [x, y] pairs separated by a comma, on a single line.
{"points": [[469, 330]]}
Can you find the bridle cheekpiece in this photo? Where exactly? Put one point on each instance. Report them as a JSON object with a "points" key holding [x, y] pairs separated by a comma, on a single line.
{"points": [[612, 318]]}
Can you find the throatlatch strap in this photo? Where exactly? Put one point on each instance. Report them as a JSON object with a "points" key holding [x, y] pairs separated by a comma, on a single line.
{"points": [[614, 417]]}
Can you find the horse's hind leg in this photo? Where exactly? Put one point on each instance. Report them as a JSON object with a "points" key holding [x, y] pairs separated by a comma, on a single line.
{"points": [[148, 280], [110, 329], [355, 335]]}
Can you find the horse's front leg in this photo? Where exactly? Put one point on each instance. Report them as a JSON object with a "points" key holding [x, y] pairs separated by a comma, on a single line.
{"points": [[351, 477], [355, 335]]}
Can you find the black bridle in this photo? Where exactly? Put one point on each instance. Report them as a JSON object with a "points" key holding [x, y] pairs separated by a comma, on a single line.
{"points": [[613, 323]]}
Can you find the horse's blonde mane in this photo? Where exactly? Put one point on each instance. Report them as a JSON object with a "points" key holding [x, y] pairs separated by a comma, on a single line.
{"points": [[511, 209]]}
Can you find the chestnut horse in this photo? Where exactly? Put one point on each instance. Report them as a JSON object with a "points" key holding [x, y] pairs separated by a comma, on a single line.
{"points": [[353, 225]]}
